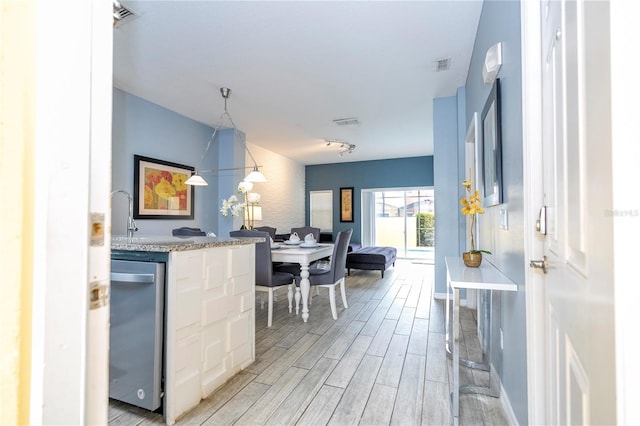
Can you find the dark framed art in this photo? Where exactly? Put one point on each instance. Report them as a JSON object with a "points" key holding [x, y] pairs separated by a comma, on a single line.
{"points": [[491, 151], [346, 204], [160, 191]]}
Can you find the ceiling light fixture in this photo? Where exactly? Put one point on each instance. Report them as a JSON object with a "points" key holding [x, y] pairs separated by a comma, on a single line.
{"points": [[351, 121], [345, 147], [254, 176]]}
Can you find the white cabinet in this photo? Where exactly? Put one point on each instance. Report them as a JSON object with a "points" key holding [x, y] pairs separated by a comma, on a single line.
{"points": [[210, 326]]}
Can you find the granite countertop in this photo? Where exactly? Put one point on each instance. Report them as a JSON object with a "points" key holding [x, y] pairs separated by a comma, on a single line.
{"points": [[166, 244]]}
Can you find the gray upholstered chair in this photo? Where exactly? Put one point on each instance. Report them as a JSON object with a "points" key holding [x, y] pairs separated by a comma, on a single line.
{"points": [[330, 278], [269, 229], [266, 278], [188, 232], [294, 268], [304, 230]]}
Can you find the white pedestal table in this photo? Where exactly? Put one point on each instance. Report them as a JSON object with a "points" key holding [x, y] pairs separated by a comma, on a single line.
{"points": [[459, 276], [303, 256]]}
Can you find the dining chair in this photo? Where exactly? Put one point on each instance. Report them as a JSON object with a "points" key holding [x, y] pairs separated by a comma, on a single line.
{"points": [[330, 278], [188, 232], [294, 268], [269, 229], [266, 278], [304, 230]]}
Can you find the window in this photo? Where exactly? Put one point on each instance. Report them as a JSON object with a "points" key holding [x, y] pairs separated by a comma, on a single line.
{"points": [[321, 210]]}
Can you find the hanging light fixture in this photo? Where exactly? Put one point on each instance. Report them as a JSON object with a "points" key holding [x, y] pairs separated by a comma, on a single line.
{"points": [[254, 176]]}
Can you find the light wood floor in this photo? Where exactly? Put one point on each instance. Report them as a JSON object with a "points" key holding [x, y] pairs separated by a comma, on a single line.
{"points": [[382, 362]]}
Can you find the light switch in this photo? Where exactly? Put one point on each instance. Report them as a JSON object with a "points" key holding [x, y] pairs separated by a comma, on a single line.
{"points": [[504, 219]]}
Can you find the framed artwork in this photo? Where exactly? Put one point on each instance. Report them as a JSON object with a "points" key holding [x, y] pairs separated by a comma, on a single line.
{"points": [[346, 204], [491, 151], [160, 191]]}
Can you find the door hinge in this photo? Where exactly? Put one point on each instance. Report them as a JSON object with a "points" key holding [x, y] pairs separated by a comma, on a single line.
{"points": [[98, 295]]}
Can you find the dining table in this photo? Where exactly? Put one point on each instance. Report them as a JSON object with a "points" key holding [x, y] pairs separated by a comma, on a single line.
{"points": [[303, 254]]}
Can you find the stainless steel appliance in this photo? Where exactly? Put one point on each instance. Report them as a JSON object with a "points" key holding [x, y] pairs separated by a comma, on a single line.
{"points": [[136, 338]]}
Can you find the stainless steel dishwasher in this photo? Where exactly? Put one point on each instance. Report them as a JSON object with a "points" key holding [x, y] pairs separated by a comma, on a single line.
{"points": [[136, 333]]}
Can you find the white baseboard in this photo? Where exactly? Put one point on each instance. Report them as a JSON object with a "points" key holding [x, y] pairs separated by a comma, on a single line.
{"points": [[440, 296], [506, 406], [443, 296]]}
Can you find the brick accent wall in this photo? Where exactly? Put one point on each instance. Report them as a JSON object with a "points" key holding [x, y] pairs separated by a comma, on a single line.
{"points": [[283, 196]]}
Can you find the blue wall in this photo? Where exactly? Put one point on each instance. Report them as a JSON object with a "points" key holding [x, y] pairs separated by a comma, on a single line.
{"points": [[500, 22], [447, 183], [143, 128], [393, 173]]}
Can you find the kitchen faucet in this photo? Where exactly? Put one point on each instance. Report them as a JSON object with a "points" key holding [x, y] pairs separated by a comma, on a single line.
{"points": [[131, 224]]}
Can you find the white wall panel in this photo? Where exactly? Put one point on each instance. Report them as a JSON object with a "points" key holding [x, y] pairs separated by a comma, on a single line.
{"points": [[283, 196]]}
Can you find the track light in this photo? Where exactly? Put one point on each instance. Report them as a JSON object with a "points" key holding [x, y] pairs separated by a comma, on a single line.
{"points": [[345, 147]]}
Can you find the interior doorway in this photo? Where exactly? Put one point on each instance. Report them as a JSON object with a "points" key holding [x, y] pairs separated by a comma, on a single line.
{"points": [[403, 218]]}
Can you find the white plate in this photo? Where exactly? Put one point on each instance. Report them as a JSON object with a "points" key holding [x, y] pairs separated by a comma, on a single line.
{"points": [[309, 245], [292, 243]]}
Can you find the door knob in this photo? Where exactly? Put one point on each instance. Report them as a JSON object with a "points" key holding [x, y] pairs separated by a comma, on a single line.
{"points": [[540, 264]]}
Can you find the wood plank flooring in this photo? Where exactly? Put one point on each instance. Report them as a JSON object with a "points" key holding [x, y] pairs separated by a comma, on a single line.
{"points": [[382, 362]]}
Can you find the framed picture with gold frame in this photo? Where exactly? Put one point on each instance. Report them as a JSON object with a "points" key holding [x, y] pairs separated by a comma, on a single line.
{"points": [[160, 191], [346, 204]]}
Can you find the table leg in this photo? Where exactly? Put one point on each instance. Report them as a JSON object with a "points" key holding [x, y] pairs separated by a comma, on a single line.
{"points": [[456, 353], [494, 389], [304, 289], [447, 322]]}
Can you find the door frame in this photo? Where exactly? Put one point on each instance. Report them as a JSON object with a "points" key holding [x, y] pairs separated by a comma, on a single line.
{"points": [[70, 336], [625, 90], [533, 200]]}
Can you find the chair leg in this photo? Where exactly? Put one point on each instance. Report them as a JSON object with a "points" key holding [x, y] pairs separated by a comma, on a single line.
{"points": [[343, 293], [270, 313], [332, 301], [298, 297], [290, 296]]}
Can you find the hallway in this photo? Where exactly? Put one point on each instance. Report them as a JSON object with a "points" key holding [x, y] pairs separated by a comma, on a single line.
{"points": [[382, 362]]}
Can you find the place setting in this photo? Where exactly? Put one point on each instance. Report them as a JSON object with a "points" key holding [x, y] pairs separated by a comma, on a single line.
{"points": [[295, 241], [309, 242]]}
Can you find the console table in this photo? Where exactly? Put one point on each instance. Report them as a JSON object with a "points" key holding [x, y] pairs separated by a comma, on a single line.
{"points": [[459, 276]]}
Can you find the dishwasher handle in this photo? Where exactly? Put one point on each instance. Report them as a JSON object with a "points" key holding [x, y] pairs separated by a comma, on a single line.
{"points": [[132, 278]]}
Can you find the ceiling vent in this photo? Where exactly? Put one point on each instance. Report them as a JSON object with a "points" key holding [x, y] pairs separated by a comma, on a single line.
{"points": [[121, 14], [352, 121], [442, 64]]}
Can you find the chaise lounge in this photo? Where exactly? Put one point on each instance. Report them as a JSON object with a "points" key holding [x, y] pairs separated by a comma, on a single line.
{"points": [[371, 258]]}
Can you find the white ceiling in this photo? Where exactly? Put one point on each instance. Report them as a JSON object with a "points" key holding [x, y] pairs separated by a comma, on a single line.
{"points": [[295, 66]]}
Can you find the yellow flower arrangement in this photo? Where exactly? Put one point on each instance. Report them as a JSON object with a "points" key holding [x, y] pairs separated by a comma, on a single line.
{"points": [[472, 206]]}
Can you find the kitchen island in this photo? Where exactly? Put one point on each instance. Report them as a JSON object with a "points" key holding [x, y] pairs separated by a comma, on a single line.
{"points": [[209, 326]]}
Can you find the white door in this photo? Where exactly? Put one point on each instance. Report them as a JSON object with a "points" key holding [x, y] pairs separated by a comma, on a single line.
{"points": [[577, 290]]}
